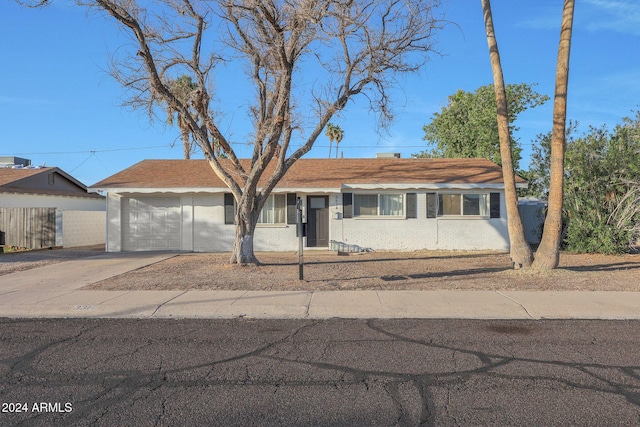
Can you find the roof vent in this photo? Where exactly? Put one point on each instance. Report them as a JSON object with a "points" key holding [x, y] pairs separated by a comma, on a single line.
{"points": [[387, 155]]}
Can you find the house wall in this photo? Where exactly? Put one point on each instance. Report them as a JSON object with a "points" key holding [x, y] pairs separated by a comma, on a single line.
{"points": [[204, 230], [17, 200], [211, 234], [81, 228], [114, 223], [420, 233]]}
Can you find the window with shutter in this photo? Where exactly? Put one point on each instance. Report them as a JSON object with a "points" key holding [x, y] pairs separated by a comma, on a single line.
{"points": [[291, 208], [347, 205], [229, 209], [494, 203], [412, 205], [432, 205]]}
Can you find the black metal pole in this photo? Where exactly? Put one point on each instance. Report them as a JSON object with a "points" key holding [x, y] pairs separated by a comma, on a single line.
{"points": [[300, 239]]}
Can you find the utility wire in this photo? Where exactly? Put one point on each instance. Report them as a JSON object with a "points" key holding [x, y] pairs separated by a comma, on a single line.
{"points": [[93, 151]]}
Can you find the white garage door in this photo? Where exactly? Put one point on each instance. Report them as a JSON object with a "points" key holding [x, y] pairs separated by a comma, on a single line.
{"points": [[151, 223]]}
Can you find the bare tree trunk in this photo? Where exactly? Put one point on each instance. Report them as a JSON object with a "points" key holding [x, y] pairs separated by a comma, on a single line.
{"points": [[242, 252], [520, 251], [548, 253]]}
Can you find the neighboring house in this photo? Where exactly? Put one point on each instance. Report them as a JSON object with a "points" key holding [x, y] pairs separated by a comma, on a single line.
{"points": [[382, 204], [79, 215], [45, 187]]}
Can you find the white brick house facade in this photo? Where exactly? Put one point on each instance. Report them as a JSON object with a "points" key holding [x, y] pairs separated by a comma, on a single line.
{"points": [[403, 211]]}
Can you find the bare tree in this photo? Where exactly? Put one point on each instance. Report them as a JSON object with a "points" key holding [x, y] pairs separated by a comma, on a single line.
{"points": [[353, 46], [548, 253], [32, 3], [520, 251]]}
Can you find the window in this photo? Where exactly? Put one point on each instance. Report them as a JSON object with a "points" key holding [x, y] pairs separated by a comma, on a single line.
{"points": [[378, 204], [474, 204], [274, 210], [391, 204], [366, 204], [448, 204], [462, 204]]}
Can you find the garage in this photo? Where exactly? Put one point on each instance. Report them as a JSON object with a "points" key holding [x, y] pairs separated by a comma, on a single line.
{"points": [[151, 223]]}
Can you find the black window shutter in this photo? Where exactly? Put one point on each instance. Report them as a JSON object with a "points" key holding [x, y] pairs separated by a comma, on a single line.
{"points": [[347, 205], [432, 205], [494, 203], [229, 211], [291, 208], [412, 205]]}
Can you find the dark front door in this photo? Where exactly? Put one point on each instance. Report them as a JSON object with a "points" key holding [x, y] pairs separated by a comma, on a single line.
{"points": [[317, 221]]}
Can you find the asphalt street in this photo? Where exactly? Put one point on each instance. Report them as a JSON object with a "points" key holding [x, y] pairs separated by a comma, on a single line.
{"points": [[336, 372]]}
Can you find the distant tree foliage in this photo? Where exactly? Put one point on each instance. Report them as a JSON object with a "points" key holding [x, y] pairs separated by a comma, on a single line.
{"points": [[602, 187], [467, 127], [538, 174], [183, 88], [334, 133]]}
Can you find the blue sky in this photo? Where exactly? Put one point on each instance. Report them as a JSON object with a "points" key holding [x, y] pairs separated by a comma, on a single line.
{"points": [[59, 106]]}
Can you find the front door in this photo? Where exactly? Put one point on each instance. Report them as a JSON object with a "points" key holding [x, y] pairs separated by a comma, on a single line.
{"points": [[317, 221]]}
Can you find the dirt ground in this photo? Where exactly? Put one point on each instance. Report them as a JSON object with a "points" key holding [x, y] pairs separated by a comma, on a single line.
{"points": [[377, 270], [381, 271]]}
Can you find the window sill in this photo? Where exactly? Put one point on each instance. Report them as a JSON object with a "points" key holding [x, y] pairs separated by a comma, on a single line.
{"points": [[375, 217], [272, 226], [459, 217]]}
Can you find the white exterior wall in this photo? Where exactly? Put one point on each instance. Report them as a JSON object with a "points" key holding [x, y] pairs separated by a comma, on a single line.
{"points": [[204, 230], [421, 233], [17, 200], [211, 234], [82, 228], [114, 223]]}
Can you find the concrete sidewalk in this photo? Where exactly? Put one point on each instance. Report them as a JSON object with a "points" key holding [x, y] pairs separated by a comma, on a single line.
{"points": [[54, 291]]}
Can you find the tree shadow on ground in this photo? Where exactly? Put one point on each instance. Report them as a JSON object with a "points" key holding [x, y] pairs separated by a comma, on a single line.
{"points": [[603, 267], [419, 276]]}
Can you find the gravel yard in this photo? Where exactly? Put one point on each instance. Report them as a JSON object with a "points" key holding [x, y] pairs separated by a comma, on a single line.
{"points": [[376, 271], [380, 271]]}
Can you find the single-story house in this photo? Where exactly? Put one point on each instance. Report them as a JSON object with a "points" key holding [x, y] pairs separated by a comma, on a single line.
{"points": [[25, 186], [45, 206], [381, 203]]}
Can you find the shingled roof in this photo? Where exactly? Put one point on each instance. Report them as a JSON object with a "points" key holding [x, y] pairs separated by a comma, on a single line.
{"points": [[314, 173], [19, 181]]}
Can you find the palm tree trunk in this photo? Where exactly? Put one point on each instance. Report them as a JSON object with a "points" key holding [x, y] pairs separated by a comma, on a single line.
{"points": [[186, 144], [520, 251], [548, 253], [186, 137]]}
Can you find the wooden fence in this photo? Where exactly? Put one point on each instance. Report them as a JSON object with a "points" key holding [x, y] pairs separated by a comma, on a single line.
{"points": [[32, 228]]}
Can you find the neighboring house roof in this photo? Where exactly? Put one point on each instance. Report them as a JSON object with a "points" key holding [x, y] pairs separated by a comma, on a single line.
{"points": [[36, 181], [316, 173]]}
